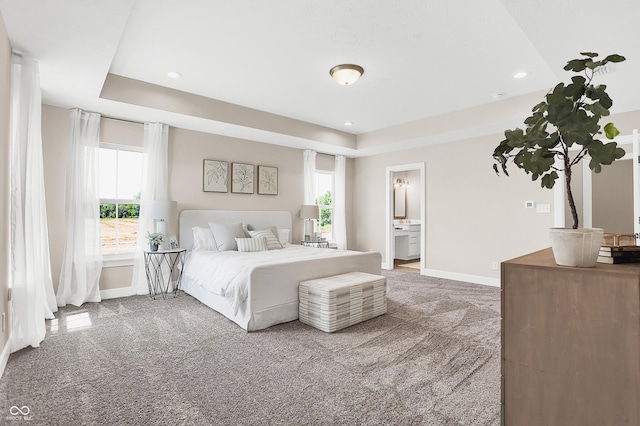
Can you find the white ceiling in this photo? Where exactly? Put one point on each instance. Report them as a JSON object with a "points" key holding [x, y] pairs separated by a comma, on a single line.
{"points": [[421, 58]]}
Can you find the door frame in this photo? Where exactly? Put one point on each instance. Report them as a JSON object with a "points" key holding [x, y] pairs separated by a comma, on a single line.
{"points": [[587, 187], [390, 246]]}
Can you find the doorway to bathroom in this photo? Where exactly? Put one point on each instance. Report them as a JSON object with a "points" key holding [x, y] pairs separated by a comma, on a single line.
{"points": [[405, 218]]}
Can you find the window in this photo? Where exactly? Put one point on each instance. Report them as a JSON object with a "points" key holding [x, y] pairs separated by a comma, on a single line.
{"points": [[120, 186], [324, 199]]}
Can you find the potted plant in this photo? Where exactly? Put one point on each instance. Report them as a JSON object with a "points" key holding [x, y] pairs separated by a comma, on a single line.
{"points": [[562, 130], [154, 240]]}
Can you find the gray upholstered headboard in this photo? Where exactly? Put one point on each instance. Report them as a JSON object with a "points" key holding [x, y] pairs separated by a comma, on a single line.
{"points": [[257, 219]]}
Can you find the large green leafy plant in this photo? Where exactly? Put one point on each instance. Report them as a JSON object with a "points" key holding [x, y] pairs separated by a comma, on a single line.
{"points": [[563, 129]]}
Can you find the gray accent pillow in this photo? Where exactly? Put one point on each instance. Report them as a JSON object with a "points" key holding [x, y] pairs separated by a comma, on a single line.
{"points": [[225, 235], [272, 240]]}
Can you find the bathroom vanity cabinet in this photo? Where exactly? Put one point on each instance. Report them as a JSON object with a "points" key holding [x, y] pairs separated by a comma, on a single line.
{"points": [[407, 241]]}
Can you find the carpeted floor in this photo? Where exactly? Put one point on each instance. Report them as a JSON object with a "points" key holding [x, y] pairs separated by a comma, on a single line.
{"points": [[433, 359]]}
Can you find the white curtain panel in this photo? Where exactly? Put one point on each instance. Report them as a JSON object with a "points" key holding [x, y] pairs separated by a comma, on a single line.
{"points": [[82, 260], [32, 296], [155, 186], [339, 203], [309, 177]]}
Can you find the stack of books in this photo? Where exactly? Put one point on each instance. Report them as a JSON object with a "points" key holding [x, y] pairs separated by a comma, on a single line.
{"points": [[619, 254]]}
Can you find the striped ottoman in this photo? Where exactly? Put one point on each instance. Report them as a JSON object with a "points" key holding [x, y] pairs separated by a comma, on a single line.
{"points": [[333, 303]]}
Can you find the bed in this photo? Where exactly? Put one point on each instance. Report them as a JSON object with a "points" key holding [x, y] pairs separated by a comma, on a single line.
{"points": [[259, 289]]}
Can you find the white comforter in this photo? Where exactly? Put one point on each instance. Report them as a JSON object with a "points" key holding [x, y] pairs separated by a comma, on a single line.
{"points": [[227, 273]]}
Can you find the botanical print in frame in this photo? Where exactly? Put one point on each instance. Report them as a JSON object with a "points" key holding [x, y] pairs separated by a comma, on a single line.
{"points": [[242, 178], [215, 176], [267, 180]]}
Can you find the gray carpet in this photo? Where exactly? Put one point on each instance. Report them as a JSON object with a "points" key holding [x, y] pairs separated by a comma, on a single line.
{"points": [[433, 359]]}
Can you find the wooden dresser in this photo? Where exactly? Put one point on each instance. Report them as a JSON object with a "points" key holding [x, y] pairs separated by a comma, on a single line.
{"points": [[570, 343]]}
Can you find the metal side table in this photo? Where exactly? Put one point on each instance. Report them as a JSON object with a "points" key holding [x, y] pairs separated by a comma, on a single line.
{"points": [[164, 271]]}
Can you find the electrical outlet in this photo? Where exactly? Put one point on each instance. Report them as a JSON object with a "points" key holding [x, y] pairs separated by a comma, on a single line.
{"points": [[494, 266]]}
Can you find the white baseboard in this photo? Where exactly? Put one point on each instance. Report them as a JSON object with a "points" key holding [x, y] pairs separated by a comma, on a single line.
{"points": [[475, 279], [113, 293], [4, 356]]}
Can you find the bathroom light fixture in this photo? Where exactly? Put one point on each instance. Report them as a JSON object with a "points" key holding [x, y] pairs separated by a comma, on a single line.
{"points": [[346, 74], [174, 74], [401, 182]]}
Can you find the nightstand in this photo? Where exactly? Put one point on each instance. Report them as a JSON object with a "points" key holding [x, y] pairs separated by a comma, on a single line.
{"points": [[316, 244], [164, 271]]}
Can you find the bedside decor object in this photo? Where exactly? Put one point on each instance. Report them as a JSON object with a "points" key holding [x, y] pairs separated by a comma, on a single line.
{"points": [[309, 213], [154, 240], [163, 211], [568, 117], [215, 176], [242, 178], [267, 180], [173, 242]]}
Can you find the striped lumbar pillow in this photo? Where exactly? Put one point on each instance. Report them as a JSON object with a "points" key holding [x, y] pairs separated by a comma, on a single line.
{"points": [[251, 244], [272, 240]]}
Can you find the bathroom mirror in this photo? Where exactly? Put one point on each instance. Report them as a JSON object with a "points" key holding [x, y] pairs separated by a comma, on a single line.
{"points": [[400, 202]]}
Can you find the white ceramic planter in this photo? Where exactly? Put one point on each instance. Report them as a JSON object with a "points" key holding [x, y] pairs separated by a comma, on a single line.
{"points": [[576, 247]]}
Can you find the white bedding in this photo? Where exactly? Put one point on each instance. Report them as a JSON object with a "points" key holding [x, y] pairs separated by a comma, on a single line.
{"points": [[258, 290], [227, 273]]}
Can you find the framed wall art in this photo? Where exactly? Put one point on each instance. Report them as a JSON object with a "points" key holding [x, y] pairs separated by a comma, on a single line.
{"points": [[267, 180], [242, 178], [215, 176]]}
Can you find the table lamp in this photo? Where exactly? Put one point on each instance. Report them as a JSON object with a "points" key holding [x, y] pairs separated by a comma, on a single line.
{"points": [[309, 213], [163, 211]]}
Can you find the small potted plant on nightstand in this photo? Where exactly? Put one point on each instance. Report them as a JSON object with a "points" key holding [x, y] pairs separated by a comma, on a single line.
{"points": [[563, 130], [154, 240]]}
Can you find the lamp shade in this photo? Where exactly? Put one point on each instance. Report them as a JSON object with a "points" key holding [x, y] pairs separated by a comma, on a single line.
{"points": [[163, 209], [310, 212]]}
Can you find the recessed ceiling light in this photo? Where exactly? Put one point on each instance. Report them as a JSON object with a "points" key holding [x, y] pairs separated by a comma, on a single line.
{"points": [[497, 96], [348, 123], [174, 74], [521, 74]]}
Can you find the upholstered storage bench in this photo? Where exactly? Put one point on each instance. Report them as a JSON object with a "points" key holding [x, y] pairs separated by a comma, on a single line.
{"points": [[336, 302]]}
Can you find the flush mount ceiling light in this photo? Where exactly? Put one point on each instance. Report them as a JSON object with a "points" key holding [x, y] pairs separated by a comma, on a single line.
{"points": [[346, 74], [174, 74]]}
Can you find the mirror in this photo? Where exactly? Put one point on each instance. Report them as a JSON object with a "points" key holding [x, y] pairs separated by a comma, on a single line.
{"points": [[400, 202]]}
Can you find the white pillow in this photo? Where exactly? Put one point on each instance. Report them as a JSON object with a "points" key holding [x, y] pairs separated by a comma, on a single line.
{"points": [[225, 234], [252, 244], [283, 235], [203, 239], [272, 241]]}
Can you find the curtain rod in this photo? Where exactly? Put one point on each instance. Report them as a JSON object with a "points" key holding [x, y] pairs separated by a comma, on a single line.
{"points": [[121, 119]]}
